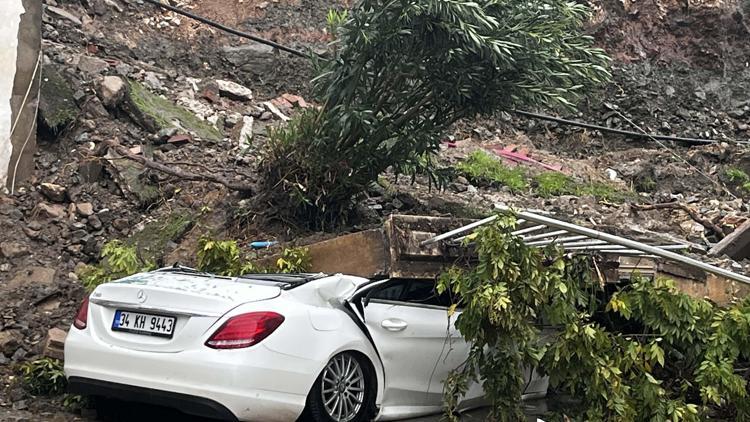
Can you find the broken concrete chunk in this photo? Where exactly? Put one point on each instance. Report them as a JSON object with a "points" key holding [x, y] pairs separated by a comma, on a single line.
{"points": [[57, 106], [53, 192], [234, 90], [155, 113], [54, 344], [111, 90]]}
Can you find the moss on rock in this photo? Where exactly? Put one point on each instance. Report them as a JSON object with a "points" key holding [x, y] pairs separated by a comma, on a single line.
{"points": [[155, 113], [57, 107]]}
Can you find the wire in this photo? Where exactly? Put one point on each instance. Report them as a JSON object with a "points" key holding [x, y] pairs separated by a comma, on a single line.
{"points": [[227, 29], [209, 22], [679, 157], [33, 121], [690, 141]]}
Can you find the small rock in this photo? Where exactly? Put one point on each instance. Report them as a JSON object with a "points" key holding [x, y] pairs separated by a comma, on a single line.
{"points": [[471, 189], [111, 90], [700, 95], [166, 133], [234, 90], [85, 209], [92, 65], [12, 250], [121, 224], [51, 210], [95, 223], [53, 192], [151, 79], [736, 114], [232, 119], [10, 340]]}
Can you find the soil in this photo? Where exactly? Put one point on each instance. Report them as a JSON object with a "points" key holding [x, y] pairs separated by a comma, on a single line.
{"points": [[680, 68]]}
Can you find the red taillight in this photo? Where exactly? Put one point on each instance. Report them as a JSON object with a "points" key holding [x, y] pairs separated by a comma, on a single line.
{"points": [[83, 314], [245, 330]]}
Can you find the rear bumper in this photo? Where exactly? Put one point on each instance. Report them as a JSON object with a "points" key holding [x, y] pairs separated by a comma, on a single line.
{"points": [[254, 384], [198, 406]]}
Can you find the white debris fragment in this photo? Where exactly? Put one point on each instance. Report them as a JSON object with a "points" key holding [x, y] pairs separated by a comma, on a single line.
{"points": [[272, 108], [246, 132], [234, 90]]}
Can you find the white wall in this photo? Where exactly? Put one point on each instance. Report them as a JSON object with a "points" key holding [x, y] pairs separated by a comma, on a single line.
{"points": [[10, 17]]}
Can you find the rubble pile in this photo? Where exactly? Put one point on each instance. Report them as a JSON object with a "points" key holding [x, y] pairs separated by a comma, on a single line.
{"points": [[184, 96]]}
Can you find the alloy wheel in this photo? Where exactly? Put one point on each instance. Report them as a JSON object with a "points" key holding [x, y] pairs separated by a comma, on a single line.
{"points": [[343, 388]]}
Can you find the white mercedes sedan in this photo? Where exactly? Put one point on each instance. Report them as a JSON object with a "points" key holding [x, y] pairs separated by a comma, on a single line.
{"points": [[270, 347]]}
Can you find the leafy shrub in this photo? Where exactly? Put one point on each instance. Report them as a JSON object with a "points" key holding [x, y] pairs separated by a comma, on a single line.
{"points": [[402, 73], [647, 352], [224, 257], [294, 260], [43, 377], [118, 260], [219, 256]]}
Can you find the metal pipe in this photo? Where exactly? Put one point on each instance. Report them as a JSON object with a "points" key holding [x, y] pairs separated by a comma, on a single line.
{"points": [[459, 230], [560, 239], [545, 235], [608, 246], [638, 246], [529, 230]]}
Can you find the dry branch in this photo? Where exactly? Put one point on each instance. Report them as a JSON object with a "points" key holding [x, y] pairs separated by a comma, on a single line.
{"points": [[208, 176], [691, 212]]}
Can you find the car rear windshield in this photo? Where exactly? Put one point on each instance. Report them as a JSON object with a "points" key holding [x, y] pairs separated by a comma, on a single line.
{"points": [[284, 281]]}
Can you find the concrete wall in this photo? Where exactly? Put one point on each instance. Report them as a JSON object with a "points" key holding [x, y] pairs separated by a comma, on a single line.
{"points": [[20, 71], [10, 18]]}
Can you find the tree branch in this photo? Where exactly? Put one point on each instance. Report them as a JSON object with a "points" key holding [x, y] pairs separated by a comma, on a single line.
{"points": [[691, 212], [181, 174]]}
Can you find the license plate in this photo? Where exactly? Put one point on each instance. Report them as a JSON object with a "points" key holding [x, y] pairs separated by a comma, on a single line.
{"points": [[146, 324]]}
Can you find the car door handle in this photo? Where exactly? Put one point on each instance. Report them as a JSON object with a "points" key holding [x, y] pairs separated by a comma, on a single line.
{"points": [[394, 324]]}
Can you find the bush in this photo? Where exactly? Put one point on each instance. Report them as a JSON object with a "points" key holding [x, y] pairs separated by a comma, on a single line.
{"points": [[647, 352], [43, 377], [224, 257], [118, 260], [404, 72]]}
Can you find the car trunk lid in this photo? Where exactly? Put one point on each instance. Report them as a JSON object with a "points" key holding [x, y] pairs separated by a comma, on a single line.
{"points": [[196, 301]]}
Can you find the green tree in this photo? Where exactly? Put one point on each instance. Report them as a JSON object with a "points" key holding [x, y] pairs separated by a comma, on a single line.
{"points": [[647, 352], [402, 72]]}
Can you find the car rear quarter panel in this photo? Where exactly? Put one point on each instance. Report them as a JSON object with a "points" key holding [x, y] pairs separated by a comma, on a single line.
{"points": [[316, 334]]}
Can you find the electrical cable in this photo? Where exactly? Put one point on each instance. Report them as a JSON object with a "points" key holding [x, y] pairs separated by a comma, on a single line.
{"points": [[209, 22], [225, 28], [690, 141]]}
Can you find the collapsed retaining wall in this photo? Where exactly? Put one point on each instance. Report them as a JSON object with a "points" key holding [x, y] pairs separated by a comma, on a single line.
{"points": [[20, 71]]}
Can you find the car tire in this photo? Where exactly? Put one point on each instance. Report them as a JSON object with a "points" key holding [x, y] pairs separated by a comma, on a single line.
{"points": [[349, 380]]}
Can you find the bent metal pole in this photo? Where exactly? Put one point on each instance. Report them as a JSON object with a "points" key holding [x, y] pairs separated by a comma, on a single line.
{"points": [[617, 240]]}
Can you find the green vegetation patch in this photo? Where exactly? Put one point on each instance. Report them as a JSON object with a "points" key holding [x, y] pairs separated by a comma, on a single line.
{"points": [[152, 241], [739, 177], [156, 113], [484, 168]]}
